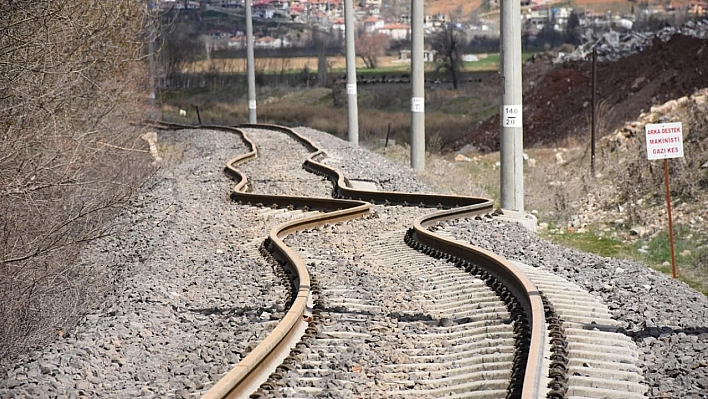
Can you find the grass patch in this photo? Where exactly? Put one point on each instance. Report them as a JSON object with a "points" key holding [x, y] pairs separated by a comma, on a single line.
{"points": [[489, 62], [689, 252], [654, 252], [401, 68], [593, 243]]}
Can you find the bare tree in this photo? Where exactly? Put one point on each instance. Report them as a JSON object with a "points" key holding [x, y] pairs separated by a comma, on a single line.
{"points": [[370, 46], [71, 81], [181, 47], [448, 42]]}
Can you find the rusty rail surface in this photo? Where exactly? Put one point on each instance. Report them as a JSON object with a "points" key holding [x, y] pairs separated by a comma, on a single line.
{"points": [[350, 203]]}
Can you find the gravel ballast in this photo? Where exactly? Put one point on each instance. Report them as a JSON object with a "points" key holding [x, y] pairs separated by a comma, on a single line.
{"points": [[176, 309], [667, 319]]}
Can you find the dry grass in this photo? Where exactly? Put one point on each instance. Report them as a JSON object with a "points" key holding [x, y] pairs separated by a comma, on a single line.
{"points": [[292, 64], [479, 175], [383, 109]]}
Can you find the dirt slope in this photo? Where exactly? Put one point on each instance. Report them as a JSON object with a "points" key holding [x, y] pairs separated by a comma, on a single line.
{"points": [[557, 100]]}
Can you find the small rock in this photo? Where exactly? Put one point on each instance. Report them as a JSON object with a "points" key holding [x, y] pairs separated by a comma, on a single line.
{"points": [[638, 231], [445, 322], [462, 158], [83, 386]]}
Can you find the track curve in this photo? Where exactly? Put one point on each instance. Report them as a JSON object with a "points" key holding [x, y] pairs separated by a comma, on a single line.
{"points": [[522, 296]]}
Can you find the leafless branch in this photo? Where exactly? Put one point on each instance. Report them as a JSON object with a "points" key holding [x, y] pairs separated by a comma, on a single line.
{"points": [[70, 72]]}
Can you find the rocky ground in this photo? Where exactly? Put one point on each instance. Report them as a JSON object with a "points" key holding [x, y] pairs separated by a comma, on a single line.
{"points": [[557, 100], [665, 82]]}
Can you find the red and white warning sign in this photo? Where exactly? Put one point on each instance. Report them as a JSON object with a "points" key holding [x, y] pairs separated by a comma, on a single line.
{"points": [[664, 140]]}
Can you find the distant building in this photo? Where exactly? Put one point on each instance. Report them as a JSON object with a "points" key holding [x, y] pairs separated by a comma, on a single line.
{"points": [[396, 31], [536, 19], [329, 7], [179, 5], [371, 3], [372, 24], [338, 25], [270, 43], [228, 3], [698, 8], [237, 42], [434, 21]]}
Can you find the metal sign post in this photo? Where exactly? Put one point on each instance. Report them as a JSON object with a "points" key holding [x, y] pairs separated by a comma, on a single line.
{"points": [[664, 141], [594, 113], [668, 208]]}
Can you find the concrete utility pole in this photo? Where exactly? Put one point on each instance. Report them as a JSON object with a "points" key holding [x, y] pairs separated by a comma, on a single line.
{"points": [[151, 63], [418, 90], [250, 65], [151, 21], [321, 57], [512, 168], [352, 107]]}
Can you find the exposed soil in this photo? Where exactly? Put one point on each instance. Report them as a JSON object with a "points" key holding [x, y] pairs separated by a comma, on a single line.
{"points": [[557, 101]]}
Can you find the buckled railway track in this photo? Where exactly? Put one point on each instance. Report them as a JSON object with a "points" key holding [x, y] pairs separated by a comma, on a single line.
{"points": [[465, 322]]}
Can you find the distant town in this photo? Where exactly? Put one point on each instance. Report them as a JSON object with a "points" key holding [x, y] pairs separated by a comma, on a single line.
{"points": [[392, 18]]}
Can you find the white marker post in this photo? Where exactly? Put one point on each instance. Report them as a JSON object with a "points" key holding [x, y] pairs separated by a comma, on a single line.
{"points": [[664, 141]]}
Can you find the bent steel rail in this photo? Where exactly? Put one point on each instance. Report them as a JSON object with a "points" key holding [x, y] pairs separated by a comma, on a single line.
{"points": [[520, 285], [352, 203]]}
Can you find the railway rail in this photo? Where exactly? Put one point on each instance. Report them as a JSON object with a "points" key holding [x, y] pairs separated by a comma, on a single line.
{"points": [[521, 297], [530, 359], [388, 313]]}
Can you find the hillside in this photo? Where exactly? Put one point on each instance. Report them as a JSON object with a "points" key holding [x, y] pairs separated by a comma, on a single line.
{"points": [[616, 6], [557, 102], [449, 6], [624, 201]]}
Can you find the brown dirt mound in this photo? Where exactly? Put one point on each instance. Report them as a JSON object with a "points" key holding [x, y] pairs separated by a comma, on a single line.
{"points": [[557, 102]]}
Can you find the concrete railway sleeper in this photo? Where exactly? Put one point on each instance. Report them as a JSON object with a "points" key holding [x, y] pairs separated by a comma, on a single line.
{"points": [[589, 357], [539, 363], [436, 332]]}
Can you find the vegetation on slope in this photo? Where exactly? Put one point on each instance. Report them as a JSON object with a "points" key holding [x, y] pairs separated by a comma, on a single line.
{"points": [[71, 84]]}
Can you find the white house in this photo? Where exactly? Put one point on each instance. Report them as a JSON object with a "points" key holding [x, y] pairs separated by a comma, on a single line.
{"points": [[338, 25], [396, 31], [237, 42], [268, 42], [434, 21], [372, 24]]}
